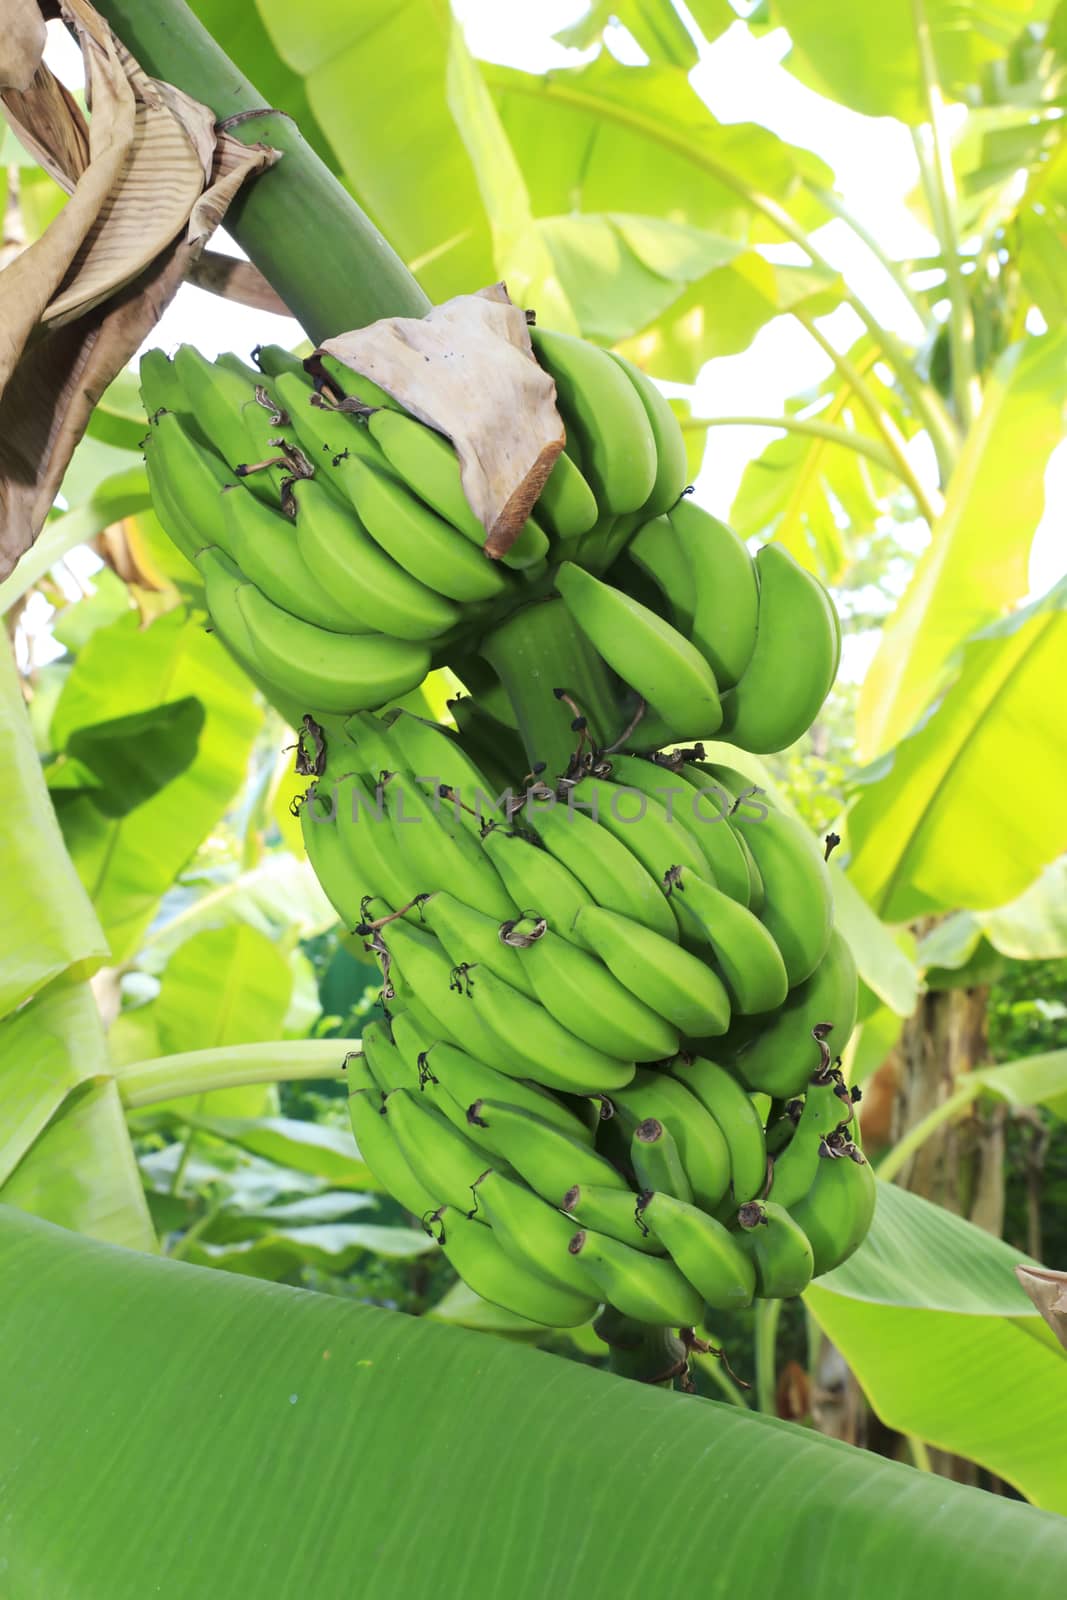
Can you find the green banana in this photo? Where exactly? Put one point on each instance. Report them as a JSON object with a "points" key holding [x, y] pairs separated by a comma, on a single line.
{"points": [[551, 1054], [611, 874], [346, 561], [657, 552], [603, 409], [484, 1264], [796, 1167], [264, 544], [657, 1161], [682, 798], [427, 462], [778, 1249], [531, 1231], [423, 977], [441, 1157], [566, 505], [329, 671], [739, 1122], [190, 487], [642, 825], [388, 1068], [383, 1155], [672, 468], [702, 1145], [725, 591], [646, 1288], [346, 383], [274, 359], [705, 1252], [747, 957], [353, 844], [677, 984], [583, 995], [612, 1212], [546, 1158], [161, 388], [329, 438], [777, 1060], [468, 1080], [241, 426], [836, 1212], [538, 884], [434, 851], [798, 911], [344, 885], [646, 652], [427, 749], [791, 669], [472, 938], [221, 581], [417, 538], [369, 747]]}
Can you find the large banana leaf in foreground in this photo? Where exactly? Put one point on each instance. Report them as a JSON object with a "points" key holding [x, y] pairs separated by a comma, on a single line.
{"points": [[171, 1431]]}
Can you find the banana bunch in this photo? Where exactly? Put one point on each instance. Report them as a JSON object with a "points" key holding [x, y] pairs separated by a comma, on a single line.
{"points": [[341, 560], [751, 647], [603, 1072], [609, 973]]}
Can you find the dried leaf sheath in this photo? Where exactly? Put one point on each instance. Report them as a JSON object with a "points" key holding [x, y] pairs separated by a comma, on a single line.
{"points": [[148, 181]]}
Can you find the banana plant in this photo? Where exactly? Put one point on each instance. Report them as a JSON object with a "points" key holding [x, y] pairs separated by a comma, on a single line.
{"points": [[396, 1390]]}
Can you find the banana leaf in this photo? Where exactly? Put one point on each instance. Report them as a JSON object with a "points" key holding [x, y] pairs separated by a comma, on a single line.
{"points": [[174, 1431]]}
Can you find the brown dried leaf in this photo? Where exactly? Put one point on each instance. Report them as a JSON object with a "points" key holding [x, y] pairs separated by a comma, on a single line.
{"points": [[148, 180], [236, 280], [468, 369], [22, 36], [1048, 1291]]}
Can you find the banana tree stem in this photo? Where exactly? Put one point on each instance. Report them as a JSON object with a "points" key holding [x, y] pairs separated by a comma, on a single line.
{"points": [[966, 391], [895, 269], [301, 227], [845, 437], [767, 1315], [537, 651], [927, 501], [149, 1083]]}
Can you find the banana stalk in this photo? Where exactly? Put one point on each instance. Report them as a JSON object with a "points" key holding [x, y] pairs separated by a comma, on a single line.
{"points": [[300, 226]]}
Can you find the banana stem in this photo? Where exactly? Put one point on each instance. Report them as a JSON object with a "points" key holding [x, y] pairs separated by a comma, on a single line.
{"points": [[149, 1083], [895, 269], [928, 501], [846, 437], [966, 390], [767, 1315], [537, 651], [300, 226], [641, 1350]]}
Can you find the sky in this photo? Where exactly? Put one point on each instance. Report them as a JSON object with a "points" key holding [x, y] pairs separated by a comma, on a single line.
{"points": [[742, 79]]}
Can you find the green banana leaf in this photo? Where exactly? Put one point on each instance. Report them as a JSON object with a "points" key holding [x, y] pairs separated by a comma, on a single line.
{"points": [[868, 56], [237, 1438], [394, 138], [968, 809], [975, 566], [1031, 928], [53, 926], [930, 1317], [128, 863]]}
